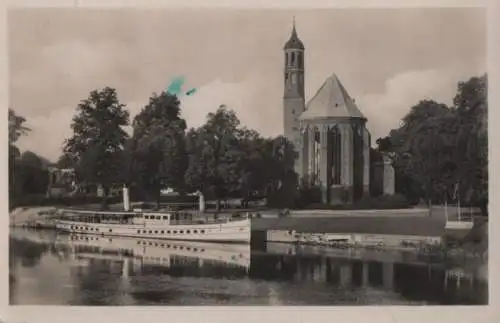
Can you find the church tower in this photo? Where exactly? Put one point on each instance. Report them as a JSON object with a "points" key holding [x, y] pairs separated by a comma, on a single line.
{"points": [[293, 97]]}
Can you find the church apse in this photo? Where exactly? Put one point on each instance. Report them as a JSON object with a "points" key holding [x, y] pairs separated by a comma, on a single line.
{"points": [[329, 132], [332, 156], [335, 145]]}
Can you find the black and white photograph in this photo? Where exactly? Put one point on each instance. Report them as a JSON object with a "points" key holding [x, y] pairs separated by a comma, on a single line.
{"points": [[247, 156]]}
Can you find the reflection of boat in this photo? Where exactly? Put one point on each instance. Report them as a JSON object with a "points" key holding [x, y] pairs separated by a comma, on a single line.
{"points": [[170, 225], [154, 251]]}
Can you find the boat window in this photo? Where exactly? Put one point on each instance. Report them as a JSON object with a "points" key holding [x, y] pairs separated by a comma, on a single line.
{"points": [[175, 232], [150, 231], [202, 231], [146, 217], [181, 231], [110, 230], [188, 232], [162, 231], [165, 217], [158, 217], [195, 231], [168, 231], [138, 231], [156, 231]]}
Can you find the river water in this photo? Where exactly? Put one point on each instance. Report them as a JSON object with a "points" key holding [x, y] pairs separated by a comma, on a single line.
{"points": [[47, 268]]}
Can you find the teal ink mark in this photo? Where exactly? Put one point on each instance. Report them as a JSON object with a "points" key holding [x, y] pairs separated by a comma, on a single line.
{"points": [[175, 87], [191, 92]]}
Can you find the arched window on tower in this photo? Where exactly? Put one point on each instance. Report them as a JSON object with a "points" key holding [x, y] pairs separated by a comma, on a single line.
{"points": [[293, 59], [287, 62], [301, 60]]}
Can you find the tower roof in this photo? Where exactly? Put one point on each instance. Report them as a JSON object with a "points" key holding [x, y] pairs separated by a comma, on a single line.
{"points": [[294, 42], [331, 101]]}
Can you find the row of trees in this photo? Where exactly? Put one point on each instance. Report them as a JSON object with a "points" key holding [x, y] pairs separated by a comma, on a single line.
{"points": [[221, 158], [440, 152]]}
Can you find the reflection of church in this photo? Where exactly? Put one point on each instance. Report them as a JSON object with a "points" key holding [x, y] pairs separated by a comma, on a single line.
{"points": [[329, 132]]}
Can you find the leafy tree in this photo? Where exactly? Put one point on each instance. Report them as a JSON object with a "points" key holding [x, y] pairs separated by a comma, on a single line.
{"points": [[437, 147], [98, 139], [32, 175], [158, 153], [65, 161], [282, 181], [214, 156], [16, 127], [472, 151], [16, 130]]}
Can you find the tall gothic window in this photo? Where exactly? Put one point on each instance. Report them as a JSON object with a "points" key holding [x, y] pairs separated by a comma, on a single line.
{"points": [[293, 59], [300, 60]]}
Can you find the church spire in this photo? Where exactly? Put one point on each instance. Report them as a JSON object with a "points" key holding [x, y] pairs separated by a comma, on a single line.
{"points": [[294, 42]]}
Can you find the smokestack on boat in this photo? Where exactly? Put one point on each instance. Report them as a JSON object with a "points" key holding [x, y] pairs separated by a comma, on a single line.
{"points": [[201, 201], [126, 200]]}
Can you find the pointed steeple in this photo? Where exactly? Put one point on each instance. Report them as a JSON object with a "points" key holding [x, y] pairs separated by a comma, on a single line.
{"points": [[294, 42]]}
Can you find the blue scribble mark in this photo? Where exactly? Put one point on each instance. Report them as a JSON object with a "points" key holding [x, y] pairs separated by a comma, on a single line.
{"points": [[175, 87], [191, 92]]}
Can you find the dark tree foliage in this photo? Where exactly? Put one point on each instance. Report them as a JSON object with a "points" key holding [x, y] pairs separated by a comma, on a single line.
{"points": [[441, 153], [227, 160], [98, 139], [157, 153]]}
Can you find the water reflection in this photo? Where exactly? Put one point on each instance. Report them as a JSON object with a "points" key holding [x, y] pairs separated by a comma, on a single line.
{"points": [[47, 268]]}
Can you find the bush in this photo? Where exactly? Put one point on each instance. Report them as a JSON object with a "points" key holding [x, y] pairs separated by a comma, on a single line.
{"points": [[308, 195]]}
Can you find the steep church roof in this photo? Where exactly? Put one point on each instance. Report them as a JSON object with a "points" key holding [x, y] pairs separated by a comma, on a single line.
{"points": [[331, 101], [294, 42]]}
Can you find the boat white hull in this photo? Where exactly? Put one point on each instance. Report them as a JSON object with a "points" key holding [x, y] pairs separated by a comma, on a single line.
{"points": [[233, 231]]}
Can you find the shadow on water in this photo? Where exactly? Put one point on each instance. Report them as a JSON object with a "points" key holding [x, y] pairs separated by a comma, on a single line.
{"points": [[46, 268]]}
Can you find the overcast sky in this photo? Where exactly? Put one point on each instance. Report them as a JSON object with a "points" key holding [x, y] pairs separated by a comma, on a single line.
{"points": [[387, 59]]}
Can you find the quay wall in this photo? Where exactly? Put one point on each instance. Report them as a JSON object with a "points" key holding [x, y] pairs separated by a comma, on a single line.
{"points": [[403, 225], [354, 239]]}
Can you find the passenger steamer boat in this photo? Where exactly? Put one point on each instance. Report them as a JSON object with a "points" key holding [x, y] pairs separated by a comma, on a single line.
{"points": [[171, 225]]}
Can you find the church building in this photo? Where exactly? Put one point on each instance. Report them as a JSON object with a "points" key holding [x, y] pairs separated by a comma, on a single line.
{"points": [[329, 132]]}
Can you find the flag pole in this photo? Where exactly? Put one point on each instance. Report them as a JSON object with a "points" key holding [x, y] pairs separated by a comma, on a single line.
{"points": [[446, 206], [458, 197]]}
